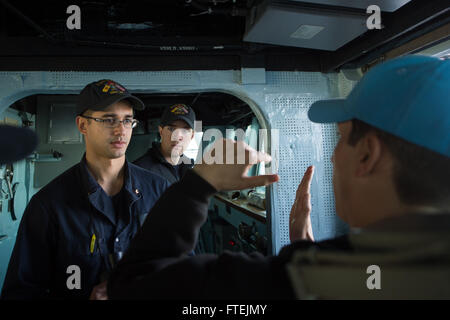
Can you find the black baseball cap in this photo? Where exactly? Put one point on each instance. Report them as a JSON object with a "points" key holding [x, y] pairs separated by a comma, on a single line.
{"points": [[99, 95], [178, 112], [16, 143]]}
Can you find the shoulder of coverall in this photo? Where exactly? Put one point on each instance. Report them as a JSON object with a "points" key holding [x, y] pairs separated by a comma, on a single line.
{"points": [[151, 158], [144, 181], [67, 184]]}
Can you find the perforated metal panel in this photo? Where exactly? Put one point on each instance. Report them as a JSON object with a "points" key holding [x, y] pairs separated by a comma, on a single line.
{"points": [[303, 143], [131, 78], [301, 80]]}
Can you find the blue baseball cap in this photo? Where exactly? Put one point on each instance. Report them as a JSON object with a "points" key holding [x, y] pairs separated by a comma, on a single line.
{"points": [[408, 97]]}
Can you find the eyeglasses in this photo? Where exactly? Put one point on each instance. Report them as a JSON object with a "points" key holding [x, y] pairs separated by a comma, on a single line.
{"points": [[184, 131], [114, 122]]}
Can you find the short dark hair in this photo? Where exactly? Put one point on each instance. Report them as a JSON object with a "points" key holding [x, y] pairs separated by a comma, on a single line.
{"points": [[421, 176]]}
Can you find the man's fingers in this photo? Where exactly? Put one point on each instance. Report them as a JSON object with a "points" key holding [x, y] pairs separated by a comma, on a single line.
{"points": [[228, 164], [309, 174], [305, 184], [307, 202], [257, 181], [253, 157], [264, 157], [227, 151], [244, 154]]}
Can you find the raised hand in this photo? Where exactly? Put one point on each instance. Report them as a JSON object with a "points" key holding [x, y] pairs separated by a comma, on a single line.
{"points": [[237, 158], [300, 217]]}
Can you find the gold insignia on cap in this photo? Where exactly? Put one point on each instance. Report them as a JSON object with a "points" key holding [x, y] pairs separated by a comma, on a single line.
{"points": [[179, 109], [111, 87]]}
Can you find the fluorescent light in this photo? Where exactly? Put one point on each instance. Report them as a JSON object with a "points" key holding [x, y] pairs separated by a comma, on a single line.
{"points": [[306, 31]]}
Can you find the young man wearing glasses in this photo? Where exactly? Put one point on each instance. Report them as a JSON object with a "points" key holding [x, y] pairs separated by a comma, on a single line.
{"points": [[166, 158], [77, 227]]}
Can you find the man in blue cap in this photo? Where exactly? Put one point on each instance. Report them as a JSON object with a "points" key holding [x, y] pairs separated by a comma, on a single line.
{"points": [[391, 180], [76, 228]]}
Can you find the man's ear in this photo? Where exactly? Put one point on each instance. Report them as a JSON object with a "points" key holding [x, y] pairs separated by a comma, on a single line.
{"points": [[160, 129], [369, 149], [81, 124]]}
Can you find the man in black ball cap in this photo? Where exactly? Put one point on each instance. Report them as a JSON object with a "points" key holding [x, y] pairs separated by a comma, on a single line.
{"points": [[166, 158], [76, 228]]}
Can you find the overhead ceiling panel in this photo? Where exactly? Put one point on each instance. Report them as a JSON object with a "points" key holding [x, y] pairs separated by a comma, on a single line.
{"points": [[288, 25], [385, 5]]}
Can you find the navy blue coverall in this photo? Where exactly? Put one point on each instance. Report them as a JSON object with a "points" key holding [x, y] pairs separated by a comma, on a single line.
{"points": [[155, 162], [73, 222]]}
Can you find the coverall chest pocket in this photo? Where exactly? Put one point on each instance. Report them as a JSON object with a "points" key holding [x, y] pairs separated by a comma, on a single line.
{"points": [[84, 251], [82, 266]]}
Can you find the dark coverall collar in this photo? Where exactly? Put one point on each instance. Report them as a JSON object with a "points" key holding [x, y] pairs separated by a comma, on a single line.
{"points": [[98, 197]]}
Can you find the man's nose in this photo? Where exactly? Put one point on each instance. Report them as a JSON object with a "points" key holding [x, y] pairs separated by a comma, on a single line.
{"points": [[177, 135], [120, 129]]}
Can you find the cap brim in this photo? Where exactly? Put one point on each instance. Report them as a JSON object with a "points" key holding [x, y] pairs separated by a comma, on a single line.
{"points": [[136, 102], [328, 111], [16, 143], [179, 117], [188, 121]]}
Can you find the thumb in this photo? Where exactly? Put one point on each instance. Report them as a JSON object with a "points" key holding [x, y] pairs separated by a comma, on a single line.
{"points": [[307, 202], [257, 181]]}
